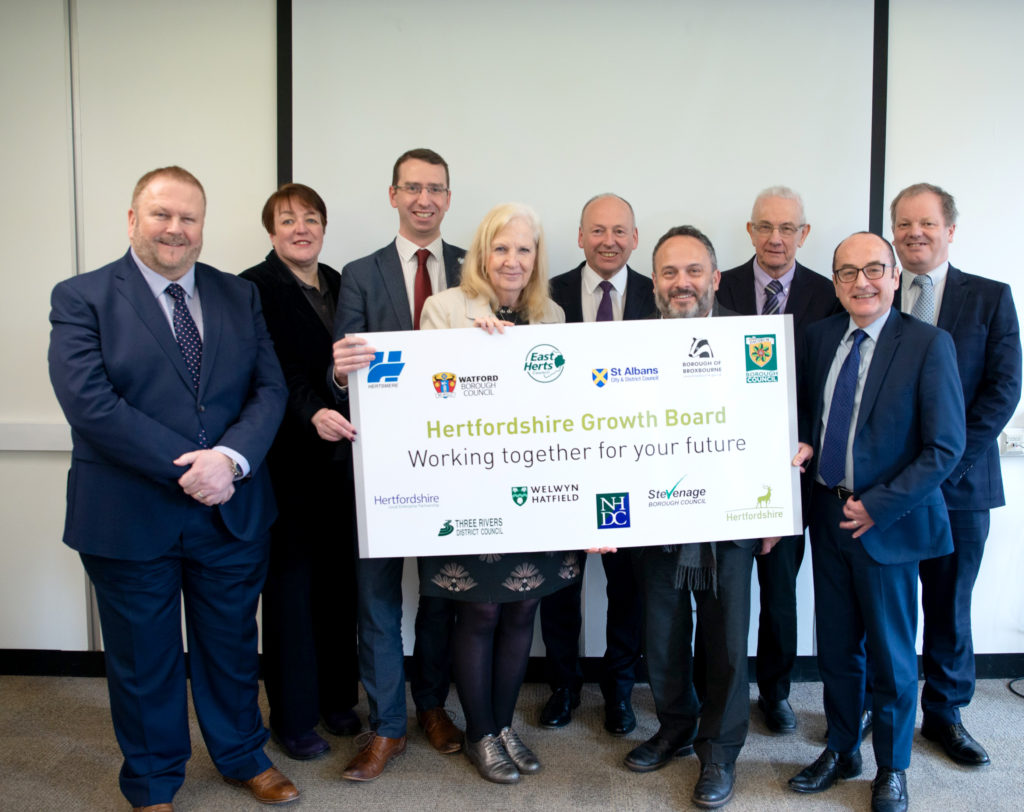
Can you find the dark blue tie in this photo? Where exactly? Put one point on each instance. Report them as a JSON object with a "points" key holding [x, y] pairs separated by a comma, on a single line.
{"points": [[771, 304], [191, 344], [832, 468]]}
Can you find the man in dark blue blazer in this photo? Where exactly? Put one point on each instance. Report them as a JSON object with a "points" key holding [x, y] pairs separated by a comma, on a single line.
{"points": [[381, 292], [980, 316], [881, 422], [602, 288], [174, 394], [777, 228]]}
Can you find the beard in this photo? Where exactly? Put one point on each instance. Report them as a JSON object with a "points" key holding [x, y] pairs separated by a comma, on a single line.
{"points": [[699, 306]]}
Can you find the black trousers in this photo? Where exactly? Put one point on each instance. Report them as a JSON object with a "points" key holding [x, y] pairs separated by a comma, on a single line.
{"points": [[776, 625]]}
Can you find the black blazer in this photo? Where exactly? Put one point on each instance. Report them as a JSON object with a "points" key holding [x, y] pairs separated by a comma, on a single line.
{"points": [[639, 304]]}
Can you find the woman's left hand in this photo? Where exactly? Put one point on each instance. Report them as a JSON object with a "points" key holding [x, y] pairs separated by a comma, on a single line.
{"points": [[602, 550], [491, 323]]}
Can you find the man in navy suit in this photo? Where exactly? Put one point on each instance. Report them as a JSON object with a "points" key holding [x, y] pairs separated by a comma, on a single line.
{"points": [[979, 314], [881, 422], [167, 375], [772, 281], [601, 288], [381, 292]]}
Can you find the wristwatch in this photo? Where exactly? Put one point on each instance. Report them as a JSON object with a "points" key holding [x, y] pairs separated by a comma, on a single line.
{"points": [[236, 469]]}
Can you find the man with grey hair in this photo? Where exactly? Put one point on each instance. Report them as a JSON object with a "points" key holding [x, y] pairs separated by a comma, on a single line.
{"points": [[772, 281], [716, 574], [601, 288], [980, 316]]}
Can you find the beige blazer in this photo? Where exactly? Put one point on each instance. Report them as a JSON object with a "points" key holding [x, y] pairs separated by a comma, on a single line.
{"points": [[452, 308]]}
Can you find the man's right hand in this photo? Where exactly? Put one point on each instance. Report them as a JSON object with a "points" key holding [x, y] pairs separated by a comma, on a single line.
{"points": [[350, 353]]}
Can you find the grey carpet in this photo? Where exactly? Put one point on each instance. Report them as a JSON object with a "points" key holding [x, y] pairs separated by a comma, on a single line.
{"points": [[57, 751]]}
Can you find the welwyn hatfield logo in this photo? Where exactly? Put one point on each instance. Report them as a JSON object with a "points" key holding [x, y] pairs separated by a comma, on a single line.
{"points": [[544, 363], [520, 493], [383, 372], [762, 362], [599, 376], [444, 384], [612, 511]]}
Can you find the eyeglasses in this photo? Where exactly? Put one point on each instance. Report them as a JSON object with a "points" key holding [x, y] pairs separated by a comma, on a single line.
{"points": [[876, 270], [415, 189], [786, 229]]}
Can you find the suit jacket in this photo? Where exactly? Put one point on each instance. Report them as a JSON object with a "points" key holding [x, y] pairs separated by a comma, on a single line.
{"points": [[120, 378], [980, 316], [639, 304], [372, 298], [812, 297], [909, 433], [299, 458], [452, 308]]}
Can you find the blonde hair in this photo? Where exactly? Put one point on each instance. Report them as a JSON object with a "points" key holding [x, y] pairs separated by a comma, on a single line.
{"points": [[533, 298]]}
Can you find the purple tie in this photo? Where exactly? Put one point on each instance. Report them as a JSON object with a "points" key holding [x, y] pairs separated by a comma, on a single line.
{"points": [[189, 342], [832, 468], [604, 308]]}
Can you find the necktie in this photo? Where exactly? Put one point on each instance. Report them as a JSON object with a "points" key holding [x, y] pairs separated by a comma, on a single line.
{"points": [[774, 291], [421, 287], [189, 341], [833, 450], [604, 307], [924, 307]]}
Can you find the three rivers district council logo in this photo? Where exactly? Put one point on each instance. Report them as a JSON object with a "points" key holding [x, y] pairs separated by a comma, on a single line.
{"points": [[762, 362], [445, 383], [544, 363]]}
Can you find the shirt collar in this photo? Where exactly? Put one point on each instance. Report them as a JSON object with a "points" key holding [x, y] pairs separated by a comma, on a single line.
{"points": [[158, 284], [763, 277], [873, 330], [407, 249], [937, 274], [591, 279]]}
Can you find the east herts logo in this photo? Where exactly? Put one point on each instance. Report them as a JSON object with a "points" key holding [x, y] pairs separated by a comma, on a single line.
{"points": [[520, 493], [544, 363], [382, 371], [762, 362], [445, 383], [612, 511], [599, 376]]}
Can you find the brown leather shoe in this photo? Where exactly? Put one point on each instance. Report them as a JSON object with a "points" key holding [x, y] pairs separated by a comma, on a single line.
{"points": [[441, 732], [269, 787], [154, 808], [374, 756]]}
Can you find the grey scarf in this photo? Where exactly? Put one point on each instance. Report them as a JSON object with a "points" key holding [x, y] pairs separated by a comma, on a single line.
{"points": [[696, 566]]}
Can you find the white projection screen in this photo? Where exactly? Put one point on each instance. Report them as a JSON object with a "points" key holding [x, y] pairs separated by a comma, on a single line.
{"points": [[686, 109]]}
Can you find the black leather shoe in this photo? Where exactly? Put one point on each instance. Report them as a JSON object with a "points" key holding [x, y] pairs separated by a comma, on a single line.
{"points": [[619, 718], [342, 723], [867, 721], [778, 716], [558, 710], [829, 767], [714, 787], [889, 791], [655, 753], [958, 744]]}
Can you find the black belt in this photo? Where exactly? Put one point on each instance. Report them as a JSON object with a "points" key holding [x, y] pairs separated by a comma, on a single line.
{"points": [[838, 491]]}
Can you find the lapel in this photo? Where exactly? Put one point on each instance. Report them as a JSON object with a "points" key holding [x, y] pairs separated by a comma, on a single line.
{"points": [[133, 288], [295, 297], [452, 263], [745, 301], [213, 305], [392, 283], [954, 297], [573, 298], [819, 373], [885, 351], [799, 295], [637, 304]]}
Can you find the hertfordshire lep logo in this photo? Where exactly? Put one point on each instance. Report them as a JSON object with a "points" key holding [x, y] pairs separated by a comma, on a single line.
{"points": [[445, 383], [544, 363], [762, 362], [612, 511], [385, 373]]}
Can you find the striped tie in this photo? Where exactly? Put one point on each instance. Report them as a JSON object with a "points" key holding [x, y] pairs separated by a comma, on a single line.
{"points": [[771, 304]]}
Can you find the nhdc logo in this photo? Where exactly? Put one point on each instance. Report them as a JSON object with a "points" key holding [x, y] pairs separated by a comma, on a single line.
{"points": [[612, 511], [599, 376], [519, 494], [544, 363], [444, 384], [385, 372], [762, 363]]}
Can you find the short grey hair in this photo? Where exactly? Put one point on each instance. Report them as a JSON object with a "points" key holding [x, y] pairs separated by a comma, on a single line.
{"points": [[786, 194]]}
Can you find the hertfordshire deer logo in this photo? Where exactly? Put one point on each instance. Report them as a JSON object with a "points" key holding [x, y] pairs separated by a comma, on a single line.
{"points": [[765, 500]]}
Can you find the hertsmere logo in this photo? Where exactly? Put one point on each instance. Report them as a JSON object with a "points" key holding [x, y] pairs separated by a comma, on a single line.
{"points": [[762, 363], [384, 374], [544, 363], [612, 511], [761, 510], [444, 384]]}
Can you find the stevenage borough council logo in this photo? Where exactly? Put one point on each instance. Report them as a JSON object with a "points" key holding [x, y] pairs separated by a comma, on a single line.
{"points": [[762, 363]]}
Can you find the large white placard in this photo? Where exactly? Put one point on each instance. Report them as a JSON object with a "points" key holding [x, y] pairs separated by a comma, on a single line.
{"points": [[576, 436]]}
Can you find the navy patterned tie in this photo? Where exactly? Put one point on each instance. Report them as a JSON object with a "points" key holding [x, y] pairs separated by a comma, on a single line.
{"points": [[771, 304], [604, 307], [191, 344], [837, 432]]}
